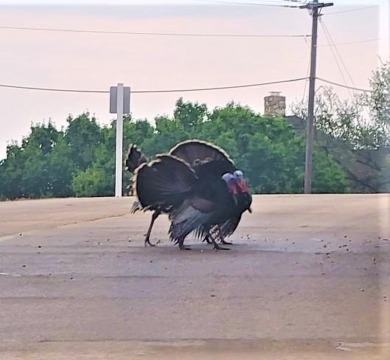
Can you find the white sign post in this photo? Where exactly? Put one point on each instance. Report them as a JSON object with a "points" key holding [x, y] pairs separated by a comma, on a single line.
{"points": [[119, 104]]}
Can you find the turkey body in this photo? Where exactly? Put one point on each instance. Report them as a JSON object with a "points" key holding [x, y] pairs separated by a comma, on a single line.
{"points": [[208, 161], [134, 160], [228, 207], [197, 199]]}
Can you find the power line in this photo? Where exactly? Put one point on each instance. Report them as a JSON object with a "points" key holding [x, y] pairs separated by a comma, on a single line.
{"points": [[335, 53], [351, 42], [153, 33], [338, 53], [278, 1], [254, 4], [154, 91], [220, 87], [181, 90], [264, 2], [352, 10], [53, 89], [343, 86], [304, 36], [286, 6]]}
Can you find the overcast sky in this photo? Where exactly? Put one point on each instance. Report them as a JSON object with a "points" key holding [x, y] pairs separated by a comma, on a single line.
{"points": [[96, 61]]}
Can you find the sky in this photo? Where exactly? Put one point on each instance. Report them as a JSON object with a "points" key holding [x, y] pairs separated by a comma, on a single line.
{"points": [[96, 61]]}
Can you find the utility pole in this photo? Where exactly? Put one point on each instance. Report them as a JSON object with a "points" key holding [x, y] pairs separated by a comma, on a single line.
{"points": [[314, 7]]}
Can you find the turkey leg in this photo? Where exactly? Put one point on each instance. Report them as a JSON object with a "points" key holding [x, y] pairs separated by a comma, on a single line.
{"points": [[216, 246], [221, 238], [147, 235], [181, 245]]}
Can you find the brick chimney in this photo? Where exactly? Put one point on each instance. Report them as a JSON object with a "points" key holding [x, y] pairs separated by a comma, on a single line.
{"points": [[275, 104]]}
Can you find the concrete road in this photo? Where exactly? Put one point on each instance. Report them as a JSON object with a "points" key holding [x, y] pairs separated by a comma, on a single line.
{"points": [[306, 278]]}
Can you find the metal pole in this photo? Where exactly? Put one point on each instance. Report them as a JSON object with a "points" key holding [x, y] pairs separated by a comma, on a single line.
{"points": [[310, 119], [119, 141]]}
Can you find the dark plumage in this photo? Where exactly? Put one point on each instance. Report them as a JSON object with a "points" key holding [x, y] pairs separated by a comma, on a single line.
{"points": [[200, 191], [134, 158], [197, 154], [223, 219]]}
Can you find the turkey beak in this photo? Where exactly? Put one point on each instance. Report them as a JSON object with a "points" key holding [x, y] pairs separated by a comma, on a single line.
{"points": [[250, 210]]}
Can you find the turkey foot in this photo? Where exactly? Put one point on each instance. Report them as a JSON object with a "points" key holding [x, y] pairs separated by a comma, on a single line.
{"points": [[182, 247], [148, 243], [221, 238], [225, 242], [216, 246], [207, 239], [147, 235]]}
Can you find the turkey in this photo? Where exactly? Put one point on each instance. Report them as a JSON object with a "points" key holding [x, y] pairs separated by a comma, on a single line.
{"points": [[210, 163], [243, 200], [207, 198], [134, 159], [195, 153]]}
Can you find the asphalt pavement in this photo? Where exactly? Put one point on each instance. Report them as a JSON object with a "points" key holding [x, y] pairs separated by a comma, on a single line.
{"points": [[308, 277]]}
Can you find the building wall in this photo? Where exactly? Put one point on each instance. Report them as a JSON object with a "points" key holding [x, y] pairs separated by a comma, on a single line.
{"points": [[275, 105]]}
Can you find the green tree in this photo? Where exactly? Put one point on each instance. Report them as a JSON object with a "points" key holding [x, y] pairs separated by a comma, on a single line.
{"points": [[103, 164], [187, 122], [61, 167], [379, 102], [83, 135], [40, 167], [90, 182], [190, 115], [11, 171], [267, 149], [80, 160], [356, 132]]}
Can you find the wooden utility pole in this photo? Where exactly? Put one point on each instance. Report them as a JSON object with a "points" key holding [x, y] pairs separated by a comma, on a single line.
{"points": [[314, 7]]}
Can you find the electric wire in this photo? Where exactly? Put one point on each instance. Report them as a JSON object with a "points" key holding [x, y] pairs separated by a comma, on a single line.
{"points": [[152, 33], [154, 91], [352, 10], [20, 87], [337, 51], [336, 54], [343, 86], [254, 4]]}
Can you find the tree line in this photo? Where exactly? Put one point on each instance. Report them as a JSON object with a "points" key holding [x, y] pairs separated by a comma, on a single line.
{"points": [[351, 154], [80, 160]]}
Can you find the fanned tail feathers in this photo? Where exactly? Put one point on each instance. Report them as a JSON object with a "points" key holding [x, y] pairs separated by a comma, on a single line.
{"points": [[196, 152], [164, 182]]}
